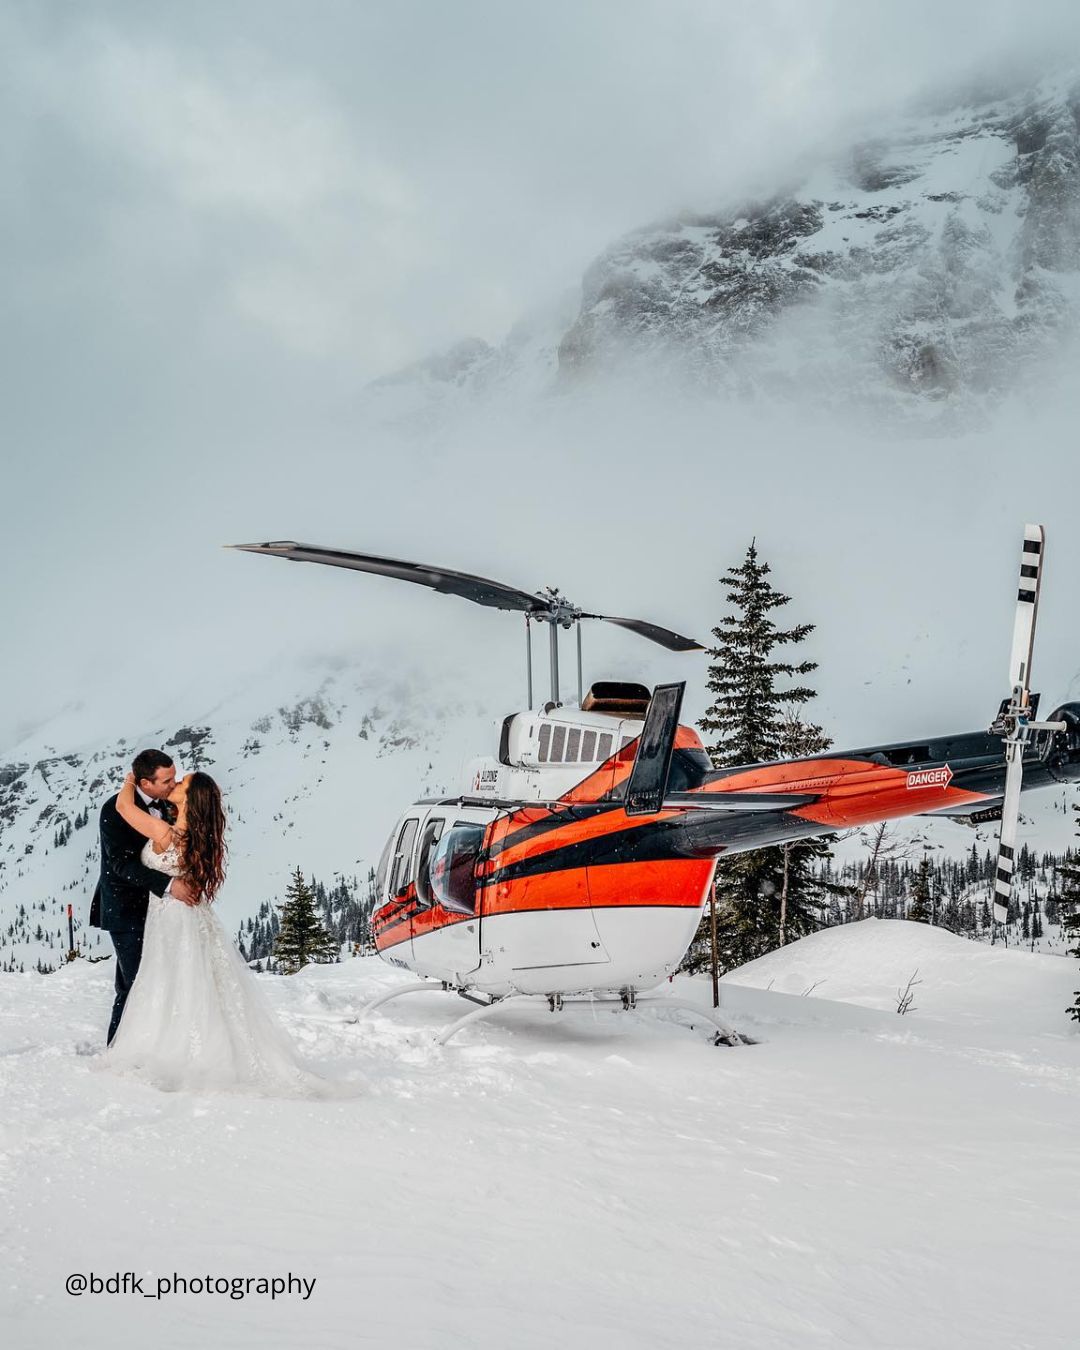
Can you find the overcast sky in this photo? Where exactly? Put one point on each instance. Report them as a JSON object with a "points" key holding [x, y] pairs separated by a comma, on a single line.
{"points": [[218, 221]]}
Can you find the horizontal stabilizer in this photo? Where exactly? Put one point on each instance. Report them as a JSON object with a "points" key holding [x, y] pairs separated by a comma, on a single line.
{"points": [[982, 812]]}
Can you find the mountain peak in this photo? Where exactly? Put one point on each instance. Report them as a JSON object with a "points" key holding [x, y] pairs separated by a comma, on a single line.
{"points": [[923, 271]]}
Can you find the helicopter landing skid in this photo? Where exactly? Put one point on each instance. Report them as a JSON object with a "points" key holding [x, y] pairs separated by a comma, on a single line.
{"points": [[423, 987], [725, 1034]]}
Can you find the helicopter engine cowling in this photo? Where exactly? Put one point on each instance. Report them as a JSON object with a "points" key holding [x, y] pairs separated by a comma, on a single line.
{"points": [[1062, 755]]}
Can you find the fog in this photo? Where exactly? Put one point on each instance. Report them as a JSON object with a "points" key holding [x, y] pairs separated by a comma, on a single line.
{"points": [[220, 222]]}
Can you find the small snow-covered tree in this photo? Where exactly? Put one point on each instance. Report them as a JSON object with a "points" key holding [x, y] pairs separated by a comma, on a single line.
{"points": [[920, 908], [301, 937]]}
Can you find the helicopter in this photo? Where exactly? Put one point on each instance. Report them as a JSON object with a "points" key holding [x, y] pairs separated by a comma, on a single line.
{"points": [[578, 859]]}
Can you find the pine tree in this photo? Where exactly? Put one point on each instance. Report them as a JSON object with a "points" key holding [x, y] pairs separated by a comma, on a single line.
{"points": [[921, 905], [1069, 876], [1071, 928], [767, 896], [301, 937], [748, 713]]}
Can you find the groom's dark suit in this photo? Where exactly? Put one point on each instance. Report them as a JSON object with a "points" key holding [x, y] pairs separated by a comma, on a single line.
{"points": [[121, 898]]}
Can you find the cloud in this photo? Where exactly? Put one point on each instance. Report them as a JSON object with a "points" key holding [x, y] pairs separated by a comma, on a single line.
{"points": [[219, 221], [397, 179]]}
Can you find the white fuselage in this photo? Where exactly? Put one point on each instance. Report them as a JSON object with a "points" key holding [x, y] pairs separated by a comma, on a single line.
{"points": [[570, 946]]}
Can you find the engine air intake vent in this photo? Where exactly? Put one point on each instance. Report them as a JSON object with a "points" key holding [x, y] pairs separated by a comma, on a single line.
{"points": [[617, 699]]}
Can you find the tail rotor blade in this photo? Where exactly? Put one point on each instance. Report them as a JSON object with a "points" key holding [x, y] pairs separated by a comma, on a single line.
{"points": [[1010, 825], [1027, 604], [1015, 721]]}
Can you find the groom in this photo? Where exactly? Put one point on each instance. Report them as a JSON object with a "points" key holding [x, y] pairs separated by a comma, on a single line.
{"points": [[123, 892]]}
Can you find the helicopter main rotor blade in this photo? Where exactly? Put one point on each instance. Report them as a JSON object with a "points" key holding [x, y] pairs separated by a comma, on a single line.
{"points": [[674, 642], [480, 590]]}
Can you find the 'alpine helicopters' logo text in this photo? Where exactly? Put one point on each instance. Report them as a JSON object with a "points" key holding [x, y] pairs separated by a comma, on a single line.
{"points": [[930, 778]]}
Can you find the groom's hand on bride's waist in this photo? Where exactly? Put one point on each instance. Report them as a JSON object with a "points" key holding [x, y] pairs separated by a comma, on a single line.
{"points": [[180, 890]]}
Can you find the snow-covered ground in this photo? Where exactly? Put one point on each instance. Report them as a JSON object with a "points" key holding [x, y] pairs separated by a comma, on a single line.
{"points": [[589, 1178]]}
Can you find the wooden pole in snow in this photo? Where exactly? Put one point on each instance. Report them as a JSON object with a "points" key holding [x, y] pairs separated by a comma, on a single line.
{"points": [[715, 947]]}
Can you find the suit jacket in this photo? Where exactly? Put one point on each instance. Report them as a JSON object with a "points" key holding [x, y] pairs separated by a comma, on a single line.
{"points": [[123, 891]]}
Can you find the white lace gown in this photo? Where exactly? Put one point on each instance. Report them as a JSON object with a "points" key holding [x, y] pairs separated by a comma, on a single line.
{"points": [[196, 1017]]}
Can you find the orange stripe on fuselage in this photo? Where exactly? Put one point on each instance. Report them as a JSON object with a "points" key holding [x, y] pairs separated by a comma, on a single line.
{"points": [[675, 882], [671, 883], [567, 889]]}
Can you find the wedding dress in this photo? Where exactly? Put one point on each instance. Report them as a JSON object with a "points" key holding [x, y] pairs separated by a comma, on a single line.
{"points": [[196, 1017]]}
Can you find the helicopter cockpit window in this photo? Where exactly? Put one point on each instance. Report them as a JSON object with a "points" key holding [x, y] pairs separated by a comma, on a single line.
{"points": [[545, 743], [399, 876], [453, 864], [558, 744], [432, 832], [573, 745], [588, 745], [603, 749]]}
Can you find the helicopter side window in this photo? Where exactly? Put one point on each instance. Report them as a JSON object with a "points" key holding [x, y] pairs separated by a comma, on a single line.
{"points": [[573, 745], [453, 865], [384, 865], [399, 876], [558, 744], [603, 748], [545, 744], [432, 832], [588, 745]]}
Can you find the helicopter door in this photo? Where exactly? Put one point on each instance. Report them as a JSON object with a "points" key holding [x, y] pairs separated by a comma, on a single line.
{"points": [[538, 926], [446, 930], [391, 919]]}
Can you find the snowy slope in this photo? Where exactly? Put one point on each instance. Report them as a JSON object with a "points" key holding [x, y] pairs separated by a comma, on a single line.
{"points": [[958, 980], [314, 767], [854, 1179]]}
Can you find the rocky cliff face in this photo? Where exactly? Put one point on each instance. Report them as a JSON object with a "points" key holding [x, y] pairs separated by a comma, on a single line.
{"points": [[935, 264], [927, 272]]}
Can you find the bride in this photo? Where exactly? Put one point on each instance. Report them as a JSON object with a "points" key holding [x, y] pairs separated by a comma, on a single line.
{"points": [[196, 1016]]}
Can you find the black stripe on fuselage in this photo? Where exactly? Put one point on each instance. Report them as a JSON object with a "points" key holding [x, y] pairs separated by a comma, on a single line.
{"points": [[560, 816], [668, 840]]}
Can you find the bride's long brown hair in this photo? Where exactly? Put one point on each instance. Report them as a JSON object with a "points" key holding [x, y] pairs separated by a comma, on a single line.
{"points": [[204, 836]]}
